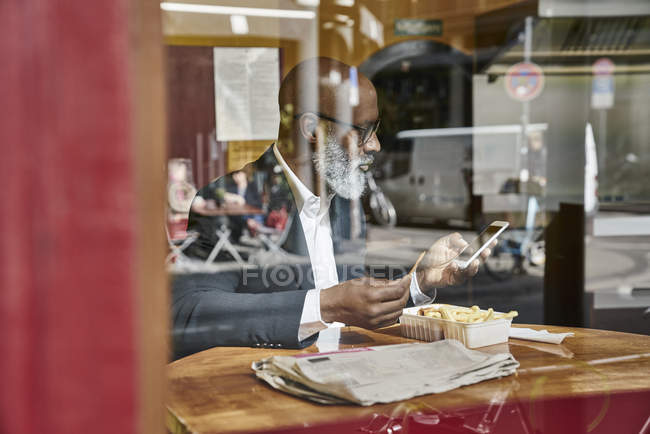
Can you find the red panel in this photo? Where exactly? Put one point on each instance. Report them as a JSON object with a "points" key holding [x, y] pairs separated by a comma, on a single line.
{"points": [[619, 413], [190, 88], [66, 212]]}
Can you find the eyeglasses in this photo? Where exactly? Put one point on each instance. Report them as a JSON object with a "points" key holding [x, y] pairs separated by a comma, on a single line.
{"points": [[365, 132]]}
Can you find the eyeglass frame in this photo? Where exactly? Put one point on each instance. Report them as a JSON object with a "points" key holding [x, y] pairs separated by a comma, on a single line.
{"points": [[372, 129]]}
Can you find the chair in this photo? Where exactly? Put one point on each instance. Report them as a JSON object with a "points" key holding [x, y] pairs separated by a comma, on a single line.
{"points": [[269, 241], [223, 233], [177, 246], [273, 239]]}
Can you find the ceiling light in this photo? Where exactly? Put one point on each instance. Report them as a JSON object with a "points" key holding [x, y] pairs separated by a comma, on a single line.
{"points": [[335, 77], [309, 3], [239, 24], [231, 10]]}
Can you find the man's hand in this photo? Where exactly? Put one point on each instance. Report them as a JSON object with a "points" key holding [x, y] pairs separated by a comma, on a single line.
{"points": [[436, 267], [365, 302]]}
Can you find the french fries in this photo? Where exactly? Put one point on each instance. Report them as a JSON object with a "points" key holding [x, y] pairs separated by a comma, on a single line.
{"points": [[464, 314]]}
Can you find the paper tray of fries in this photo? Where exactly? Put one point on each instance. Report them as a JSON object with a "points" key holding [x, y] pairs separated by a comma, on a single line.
{"points": [[472, 326]]}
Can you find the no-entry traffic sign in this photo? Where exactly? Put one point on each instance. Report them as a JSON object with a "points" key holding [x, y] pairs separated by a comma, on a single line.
{"points": [[524, 81]]}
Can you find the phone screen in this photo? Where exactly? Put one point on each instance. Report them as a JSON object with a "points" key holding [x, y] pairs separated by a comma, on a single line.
{"points": [[474, 248]]}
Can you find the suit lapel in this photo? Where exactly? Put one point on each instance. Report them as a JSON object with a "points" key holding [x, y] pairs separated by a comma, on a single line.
{"points": [[340, 218]]}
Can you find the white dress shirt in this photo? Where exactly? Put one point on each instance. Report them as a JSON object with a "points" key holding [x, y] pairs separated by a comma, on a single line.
{"points": [[314, 217]]}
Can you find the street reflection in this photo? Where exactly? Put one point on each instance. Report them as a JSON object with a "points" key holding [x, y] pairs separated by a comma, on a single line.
{"points": [[422, 417], [507, 413]]}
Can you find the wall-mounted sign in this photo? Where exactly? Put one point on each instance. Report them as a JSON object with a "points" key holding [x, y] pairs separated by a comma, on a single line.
{"points": [[417, 27], [524, 81], [246, 85], [602, 84]]}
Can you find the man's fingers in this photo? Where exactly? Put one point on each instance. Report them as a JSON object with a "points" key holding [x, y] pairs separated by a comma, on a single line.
{"points": [[488, 250], [388, 308], [388, 319], [385, 312], [392, 289], [472, 269], [455, 236], [457, 242], [454, 267], [457, 275], [452, 240]]}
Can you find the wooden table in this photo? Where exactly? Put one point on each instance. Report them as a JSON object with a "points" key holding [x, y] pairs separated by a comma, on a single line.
{"points": [[230, 209], [216, 390]]}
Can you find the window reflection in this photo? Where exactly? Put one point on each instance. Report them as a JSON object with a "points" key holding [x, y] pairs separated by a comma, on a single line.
{"points": [[533, 114]]}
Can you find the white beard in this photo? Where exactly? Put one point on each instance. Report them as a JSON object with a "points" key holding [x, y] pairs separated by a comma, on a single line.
{"points": [[341, 172]]}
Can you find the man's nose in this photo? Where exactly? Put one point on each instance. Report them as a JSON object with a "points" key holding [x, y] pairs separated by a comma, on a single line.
{"points": [[372, 145]]}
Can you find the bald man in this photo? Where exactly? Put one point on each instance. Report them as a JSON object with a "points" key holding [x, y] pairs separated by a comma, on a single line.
{"points": [[329, 119]]}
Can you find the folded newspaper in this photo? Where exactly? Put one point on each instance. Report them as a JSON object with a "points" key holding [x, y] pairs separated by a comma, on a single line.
{"points": [[382, 374]]}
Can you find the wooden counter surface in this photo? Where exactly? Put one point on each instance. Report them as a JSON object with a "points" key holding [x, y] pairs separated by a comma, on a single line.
{"points": [[216, 390], [229, 210]]}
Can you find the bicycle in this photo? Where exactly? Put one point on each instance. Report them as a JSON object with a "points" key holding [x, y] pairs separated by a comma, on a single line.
{"points": [[518, 248], [382, 209]]}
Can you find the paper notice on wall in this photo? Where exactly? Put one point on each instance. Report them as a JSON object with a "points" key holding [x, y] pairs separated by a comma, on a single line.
{"points": [[246, 85]]}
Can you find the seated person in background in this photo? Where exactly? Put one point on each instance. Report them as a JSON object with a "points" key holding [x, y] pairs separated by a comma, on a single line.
{"points": [[279, 203], [333, 140], [229, 193], [242, 192]]}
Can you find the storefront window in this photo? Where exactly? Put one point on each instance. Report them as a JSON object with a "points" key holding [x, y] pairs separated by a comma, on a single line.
{"points": [[532, 113], [335, 167]]}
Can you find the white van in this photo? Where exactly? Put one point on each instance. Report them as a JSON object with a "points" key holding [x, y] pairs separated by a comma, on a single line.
{"points": [[431, 175]]}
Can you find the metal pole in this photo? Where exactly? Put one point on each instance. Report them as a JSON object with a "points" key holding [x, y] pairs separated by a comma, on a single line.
{"points": [[525, 116], [602, 145]]}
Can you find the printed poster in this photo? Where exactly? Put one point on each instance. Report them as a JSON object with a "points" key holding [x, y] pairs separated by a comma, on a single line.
{"points": [[246, 85]]}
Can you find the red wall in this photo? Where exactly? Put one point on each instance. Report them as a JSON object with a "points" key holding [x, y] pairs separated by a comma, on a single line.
{"points": [[191, 111], [68, 360]]}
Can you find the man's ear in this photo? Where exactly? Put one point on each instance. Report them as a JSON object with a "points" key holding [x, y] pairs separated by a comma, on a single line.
{"points": [[308, 123]]}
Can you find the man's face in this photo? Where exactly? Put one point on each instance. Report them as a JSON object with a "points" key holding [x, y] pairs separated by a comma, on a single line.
{"points": [[343, 130], [342, 167]]}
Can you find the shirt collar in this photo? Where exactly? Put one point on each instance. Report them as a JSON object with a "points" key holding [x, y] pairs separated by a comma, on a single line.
{"points": [[301, 193]]}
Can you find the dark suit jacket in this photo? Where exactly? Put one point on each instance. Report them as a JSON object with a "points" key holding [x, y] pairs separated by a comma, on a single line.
{"points": [[262, 306]]}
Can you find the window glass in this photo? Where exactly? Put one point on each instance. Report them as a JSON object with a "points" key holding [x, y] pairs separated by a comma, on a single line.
{"points": [[282, 181]]}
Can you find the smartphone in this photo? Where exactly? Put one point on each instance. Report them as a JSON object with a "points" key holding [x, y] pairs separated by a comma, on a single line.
{"points": [[480, 243]]}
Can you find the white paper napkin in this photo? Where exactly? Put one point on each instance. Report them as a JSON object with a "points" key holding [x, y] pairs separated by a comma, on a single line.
{"points": [[328, 339], [538, 335]]}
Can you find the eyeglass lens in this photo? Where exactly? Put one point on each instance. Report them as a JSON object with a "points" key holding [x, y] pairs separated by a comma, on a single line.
{"points": [[369, 131]]}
